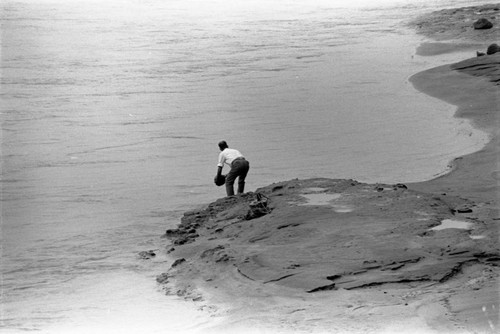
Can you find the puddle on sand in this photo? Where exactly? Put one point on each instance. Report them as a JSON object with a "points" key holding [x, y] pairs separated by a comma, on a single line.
{"points": [[320, 199], [342, 208], [315, 189], [449, 223], [318, 196]]}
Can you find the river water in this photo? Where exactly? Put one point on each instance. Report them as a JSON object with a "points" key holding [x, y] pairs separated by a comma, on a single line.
{"points": [[111, 114]]}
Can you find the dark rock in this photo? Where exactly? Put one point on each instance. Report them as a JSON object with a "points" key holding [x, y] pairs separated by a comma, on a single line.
{"points": [[277, 188], [146, 255], [185, 239], [492, 49], [223, 258], [178, 262], [323, 288], [287, 225], [480, 54], [483, 24], [464, 210], [163, 278], [170, 231], [258, 208], [212, 251]]}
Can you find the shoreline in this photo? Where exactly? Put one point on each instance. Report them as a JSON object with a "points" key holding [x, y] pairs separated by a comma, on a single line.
{"points": [[473, 175], [272, 262]]}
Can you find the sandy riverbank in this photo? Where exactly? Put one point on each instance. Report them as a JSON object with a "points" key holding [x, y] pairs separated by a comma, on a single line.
{"points": [[338, 256]]}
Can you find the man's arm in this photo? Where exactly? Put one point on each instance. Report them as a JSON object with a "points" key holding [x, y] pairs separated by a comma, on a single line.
{"points": [[221, 161]]}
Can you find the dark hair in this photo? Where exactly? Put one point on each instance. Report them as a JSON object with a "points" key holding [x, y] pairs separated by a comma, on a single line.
{"points": [[223, 145]]}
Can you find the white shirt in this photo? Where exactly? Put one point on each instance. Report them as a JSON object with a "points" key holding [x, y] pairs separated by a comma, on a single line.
{"points": [[227, 156]]}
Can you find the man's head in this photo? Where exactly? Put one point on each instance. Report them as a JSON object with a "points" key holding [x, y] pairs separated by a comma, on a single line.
{"points": [[223, 145]]}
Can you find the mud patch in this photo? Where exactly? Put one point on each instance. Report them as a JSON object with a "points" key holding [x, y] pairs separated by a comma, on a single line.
{"points": [[320, 199], [450, 223], [342, 208]]}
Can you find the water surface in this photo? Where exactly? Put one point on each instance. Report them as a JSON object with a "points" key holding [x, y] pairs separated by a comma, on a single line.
{"points": [[111, 114]]}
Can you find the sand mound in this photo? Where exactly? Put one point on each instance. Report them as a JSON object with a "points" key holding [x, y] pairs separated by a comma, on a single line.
{"points": [[332, 238]]}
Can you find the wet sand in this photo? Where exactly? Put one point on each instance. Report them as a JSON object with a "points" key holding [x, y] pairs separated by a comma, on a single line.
{"points": [[339, 256]]}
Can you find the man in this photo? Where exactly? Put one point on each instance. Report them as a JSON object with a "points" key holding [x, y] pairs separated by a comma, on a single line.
{"points": [[239, 168]]}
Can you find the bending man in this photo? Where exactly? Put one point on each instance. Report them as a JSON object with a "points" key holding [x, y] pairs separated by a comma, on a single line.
{"points": [[239, 168]]}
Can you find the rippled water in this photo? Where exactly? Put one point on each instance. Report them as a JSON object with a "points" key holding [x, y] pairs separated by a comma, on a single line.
{"points": [[111, 114]]}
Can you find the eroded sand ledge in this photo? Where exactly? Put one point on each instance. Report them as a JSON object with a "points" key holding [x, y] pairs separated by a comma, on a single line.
{"points": [[338, 256]]}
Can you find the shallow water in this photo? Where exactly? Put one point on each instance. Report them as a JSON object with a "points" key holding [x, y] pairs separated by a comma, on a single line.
{"points": [[450, 223], [320, 199], [111, 111]]}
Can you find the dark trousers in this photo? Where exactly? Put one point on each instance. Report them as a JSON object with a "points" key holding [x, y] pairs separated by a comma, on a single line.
{"points": [[239, 169]]}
